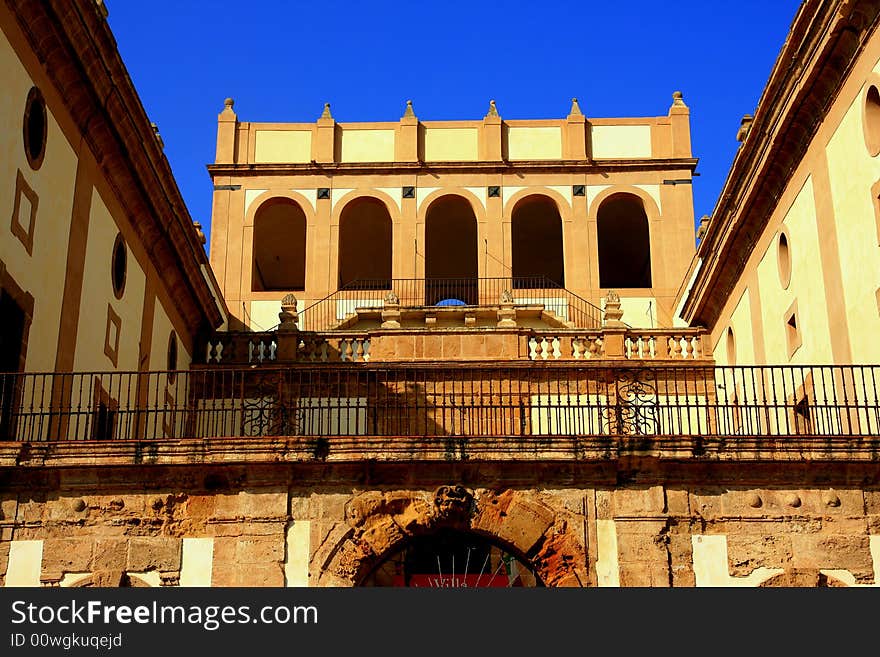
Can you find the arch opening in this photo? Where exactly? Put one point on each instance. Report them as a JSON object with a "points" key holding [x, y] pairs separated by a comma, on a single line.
{"points": [[279, 252], [365, 244], [451, 267], [452, 559], [536, 242], [624, 242]]}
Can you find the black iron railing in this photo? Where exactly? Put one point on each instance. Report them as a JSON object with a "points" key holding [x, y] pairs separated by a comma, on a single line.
{"points": [[414, 292], [419, 400]]}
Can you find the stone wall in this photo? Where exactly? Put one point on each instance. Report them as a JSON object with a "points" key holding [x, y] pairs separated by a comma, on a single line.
{"points": [[326, 526]]}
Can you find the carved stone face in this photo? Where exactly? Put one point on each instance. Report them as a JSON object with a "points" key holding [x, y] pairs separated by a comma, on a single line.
{"points": [[453, 501]]}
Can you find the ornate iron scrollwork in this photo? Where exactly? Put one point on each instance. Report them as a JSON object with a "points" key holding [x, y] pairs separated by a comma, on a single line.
{"points": [[266, 409], [635, 409]]}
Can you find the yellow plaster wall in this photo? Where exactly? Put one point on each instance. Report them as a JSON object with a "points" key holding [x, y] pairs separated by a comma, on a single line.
{"points": [[42, 273], [741, 323], [197, 561], [852, 172], [25, 563], [807, 286], [97, 292], [638, 312], [607, 568], [160, 386], [367, 145], [282, 146], [711, 565], [296, 556], [534, 143], [621, 141], [451, 144], [162, 328]]}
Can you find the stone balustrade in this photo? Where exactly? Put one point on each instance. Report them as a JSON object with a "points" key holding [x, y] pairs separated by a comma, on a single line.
{"points": [[405, 345]]}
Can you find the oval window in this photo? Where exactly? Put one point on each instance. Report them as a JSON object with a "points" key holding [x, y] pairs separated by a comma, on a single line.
{"points": [[784, 257], [118, 266], [34, 128], [871, 120], [171, 363]]}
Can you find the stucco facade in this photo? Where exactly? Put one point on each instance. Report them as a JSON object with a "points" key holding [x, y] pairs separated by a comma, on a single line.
{"points": [[422, 357]]}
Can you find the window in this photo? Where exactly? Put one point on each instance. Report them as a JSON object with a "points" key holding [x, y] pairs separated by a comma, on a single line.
{"points": [[119, 266], [279, 252], [792, 329], [871, 120], [34, 128], [624, 243], [783, 253], [171, 363]]}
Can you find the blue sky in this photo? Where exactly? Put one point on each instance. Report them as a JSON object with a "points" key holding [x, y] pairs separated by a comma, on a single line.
{"points": [[282, 60]]}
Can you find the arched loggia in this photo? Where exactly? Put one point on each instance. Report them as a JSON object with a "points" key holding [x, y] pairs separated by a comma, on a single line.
{"points": [[624, 242]]}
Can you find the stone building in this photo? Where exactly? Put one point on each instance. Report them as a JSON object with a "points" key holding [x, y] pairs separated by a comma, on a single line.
{"points": [[463, 353]]}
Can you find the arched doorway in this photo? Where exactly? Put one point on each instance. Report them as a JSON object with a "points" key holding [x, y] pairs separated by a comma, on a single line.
{"points": [[451, 268], [450, 558], [365, 235], [279, 252], [536, 242], [624, 242]]}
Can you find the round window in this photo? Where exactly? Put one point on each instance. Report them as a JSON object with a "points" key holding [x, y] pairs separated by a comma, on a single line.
{"points": [[784, 259], [171, 364], [871, 120], [34, 128], [118, 266]]}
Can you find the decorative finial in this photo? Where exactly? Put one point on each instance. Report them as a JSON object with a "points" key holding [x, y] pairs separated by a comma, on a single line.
{"points": [[199, 232], [409, 113], [326, 113], [745, 125], [391, 299], [493, 110], [613, 313], [575, 108], [228, 103], [157, 135], [506, 296], [703, 227], [677, 98], [288, 317]]}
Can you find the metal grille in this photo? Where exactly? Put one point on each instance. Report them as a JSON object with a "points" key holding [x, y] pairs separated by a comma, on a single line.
{"points": [[466, 400]]}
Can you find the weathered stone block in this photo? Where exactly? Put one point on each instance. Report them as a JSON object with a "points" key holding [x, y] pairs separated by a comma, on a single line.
{"points": [[227, 505], [262, 550], [634, 502], [110, 554], [62, 555], [382, 534], [362, 506], [603, 504], [261, 575], [852, 553], [30, 511], [264, 504], [745, 552], [640, 547], [149, 553], [525, 523], [635, 574], [677, 502], [7, 508], [200, 506]]}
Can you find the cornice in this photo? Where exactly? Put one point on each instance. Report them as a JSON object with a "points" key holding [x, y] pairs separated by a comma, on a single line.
{"points": [[73, 42], [825, 40], [520, 166]]}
